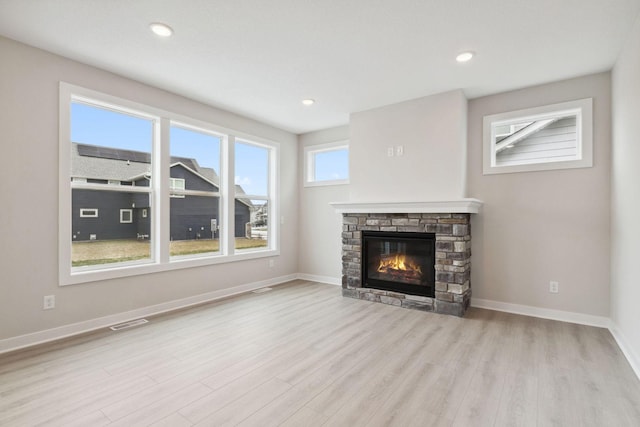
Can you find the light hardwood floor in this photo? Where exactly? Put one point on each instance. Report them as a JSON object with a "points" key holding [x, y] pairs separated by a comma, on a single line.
{"points": [[301, 355]]}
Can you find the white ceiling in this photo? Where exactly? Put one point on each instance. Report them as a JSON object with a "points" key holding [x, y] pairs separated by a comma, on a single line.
{"points": [[260, 58]]}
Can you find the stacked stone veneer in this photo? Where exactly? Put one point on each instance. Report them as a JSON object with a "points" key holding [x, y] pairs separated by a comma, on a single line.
{"points": [[453, 258]]}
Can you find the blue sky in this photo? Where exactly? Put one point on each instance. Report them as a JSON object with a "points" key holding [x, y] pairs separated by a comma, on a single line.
{"points": [[332, 165], [96, 126]]}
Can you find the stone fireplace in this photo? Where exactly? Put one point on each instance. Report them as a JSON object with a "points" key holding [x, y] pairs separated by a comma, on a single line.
{"points": [[443, 287]]}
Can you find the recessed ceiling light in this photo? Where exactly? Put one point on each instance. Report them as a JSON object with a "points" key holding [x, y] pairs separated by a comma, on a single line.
{"points": [[160, 29], [308, 101], [464, 56]]}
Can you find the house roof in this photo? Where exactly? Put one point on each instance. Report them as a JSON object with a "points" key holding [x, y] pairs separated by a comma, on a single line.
{"points": [[522, 134], [107, 163], [98, 162], [93, 162]]}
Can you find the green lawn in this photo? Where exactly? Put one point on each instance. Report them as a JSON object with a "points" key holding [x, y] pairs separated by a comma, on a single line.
{"points": [[110, 251]]}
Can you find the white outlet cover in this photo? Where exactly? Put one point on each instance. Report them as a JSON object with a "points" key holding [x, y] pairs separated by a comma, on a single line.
{"points": [[49, 302]]}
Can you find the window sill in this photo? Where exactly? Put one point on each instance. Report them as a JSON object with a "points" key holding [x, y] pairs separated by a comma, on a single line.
{"points": [[535, 167], [326, 183], [139, 268]]}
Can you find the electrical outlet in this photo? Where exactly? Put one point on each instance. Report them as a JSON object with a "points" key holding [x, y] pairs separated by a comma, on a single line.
{"points": [[49, 302], [399, 150], [554, 287], [390, 152], [271, 263]]}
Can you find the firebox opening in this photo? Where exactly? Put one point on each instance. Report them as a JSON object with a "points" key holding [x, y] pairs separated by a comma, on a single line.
{"points": [[399, 261]]}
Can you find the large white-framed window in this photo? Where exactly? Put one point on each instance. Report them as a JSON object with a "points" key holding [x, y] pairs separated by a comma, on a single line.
{"points": [[95, 165], [194, 213], [171, 184], [255, 164], [326, 164], [557, 136]]}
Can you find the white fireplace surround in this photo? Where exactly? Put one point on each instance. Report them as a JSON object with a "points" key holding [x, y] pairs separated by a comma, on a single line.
{"points": [[467, 205]]}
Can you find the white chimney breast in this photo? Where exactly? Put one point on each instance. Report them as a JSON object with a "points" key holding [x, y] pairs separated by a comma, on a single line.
{"points": [[431, 132]]}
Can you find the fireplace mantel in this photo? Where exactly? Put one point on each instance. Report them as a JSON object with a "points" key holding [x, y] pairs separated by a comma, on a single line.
{"points": [[441, 206]]}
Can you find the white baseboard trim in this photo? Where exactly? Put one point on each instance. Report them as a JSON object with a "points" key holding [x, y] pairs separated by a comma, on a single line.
{"points": [[627, 350], [41, 337], [48, 335], [544, 313], [567, 316], [322, 279]]}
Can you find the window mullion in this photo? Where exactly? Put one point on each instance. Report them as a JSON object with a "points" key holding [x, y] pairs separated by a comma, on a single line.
{"points": [[228, 194], [161, 170]]}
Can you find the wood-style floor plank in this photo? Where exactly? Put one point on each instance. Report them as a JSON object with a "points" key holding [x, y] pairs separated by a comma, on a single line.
{"points": [[302, 355]]}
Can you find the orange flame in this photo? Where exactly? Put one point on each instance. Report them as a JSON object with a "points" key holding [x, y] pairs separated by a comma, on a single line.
{"points": [[398, 262]]}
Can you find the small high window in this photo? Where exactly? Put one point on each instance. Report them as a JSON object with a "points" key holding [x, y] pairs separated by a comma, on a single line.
{"points": [[326, 164], [126, 216], [176, 184], [88, 213], [555, 136]]}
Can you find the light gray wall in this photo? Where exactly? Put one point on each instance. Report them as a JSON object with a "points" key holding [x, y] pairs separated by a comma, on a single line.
{"points": [[540, 226], [625, 201], [320, 225], [536, 226], [432, 131], [29, 81]]}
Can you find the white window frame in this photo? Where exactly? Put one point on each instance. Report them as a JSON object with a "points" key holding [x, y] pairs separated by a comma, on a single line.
{"points": [[178, 192], [88, 213], [272, 189], [130, 212], [582, 109], [310, 152], [159, 192]]}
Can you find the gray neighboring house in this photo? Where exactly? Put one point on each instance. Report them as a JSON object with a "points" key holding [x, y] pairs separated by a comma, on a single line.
{"points": [[105, 215], [534, 141]]}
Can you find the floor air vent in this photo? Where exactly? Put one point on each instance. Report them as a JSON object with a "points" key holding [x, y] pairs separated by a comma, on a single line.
{"points": [[129, 324], [261, 290]]}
